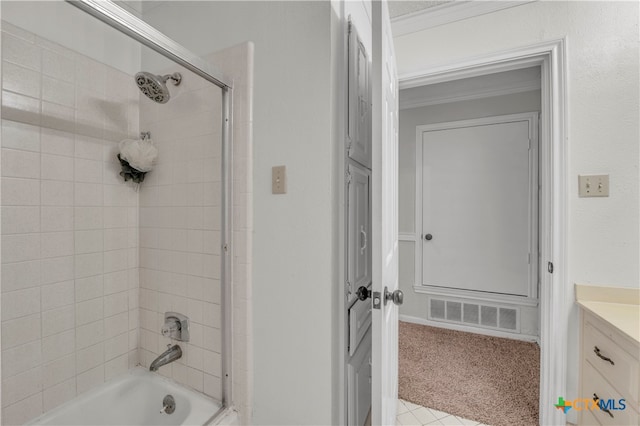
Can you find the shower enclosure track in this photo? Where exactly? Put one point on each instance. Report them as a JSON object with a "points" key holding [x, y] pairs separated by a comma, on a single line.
{"points": [[123, 21]]}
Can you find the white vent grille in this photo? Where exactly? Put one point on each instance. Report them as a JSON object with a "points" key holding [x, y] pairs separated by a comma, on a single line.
{"points": [[475, 314]]}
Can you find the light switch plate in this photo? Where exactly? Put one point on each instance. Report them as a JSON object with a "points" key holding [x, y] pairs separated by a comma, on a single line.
{"points": [[593, 186], [279, 180]]}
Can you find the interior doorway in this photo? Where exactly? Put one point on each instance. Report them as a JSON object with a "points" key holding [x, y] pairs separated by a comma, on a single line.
{"points": [[552, 230]]}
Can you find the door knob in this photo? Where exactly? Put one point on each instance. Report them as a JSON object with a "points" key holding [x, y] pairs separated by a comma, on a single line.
{"points": [[397, 297], [363, 293], [428, 237]]}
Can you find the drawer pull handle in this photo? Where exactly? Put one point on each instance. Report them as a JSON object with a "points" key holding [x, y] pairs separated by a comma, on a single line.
{"points": [[602, 357], [597, 400]]}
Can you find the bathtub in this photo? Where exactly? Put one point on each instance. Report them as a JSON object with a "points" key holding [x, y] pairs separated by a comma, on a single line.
{"points": [[134, 398]]}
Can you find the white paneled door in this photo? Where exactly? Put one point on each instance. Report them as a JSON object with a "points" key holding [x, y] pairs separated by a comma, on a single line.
{"points": [[479, 205], [386, 296]]}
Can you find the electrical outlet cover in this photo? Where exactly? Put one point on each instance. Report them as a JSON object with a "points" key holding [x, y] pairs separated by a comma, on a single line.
{"points": [[593, 185]]}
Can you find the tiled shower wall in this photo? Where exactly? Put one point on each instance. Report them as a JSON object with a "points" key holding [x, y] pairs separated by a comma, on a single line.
{"points": [[180, 225], [69, 225]]}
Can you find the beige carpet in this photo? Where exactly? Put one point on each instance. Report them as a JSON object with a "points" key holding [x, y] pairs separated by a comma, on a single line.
{"points": [[488, 379]]}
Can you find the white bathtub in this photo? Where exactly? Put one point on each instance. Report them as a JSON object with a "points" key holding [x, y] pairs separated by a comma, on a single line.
{"points": [[134, 398]]}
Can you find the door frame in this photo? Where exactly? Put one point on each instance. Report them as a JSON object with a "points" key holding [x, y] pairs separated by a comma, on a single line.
{"points": [[554, 292]]}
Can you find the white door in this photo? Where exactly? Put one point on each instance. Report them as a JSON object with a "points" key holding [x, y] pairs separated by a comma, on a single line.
{"points": [[479, 205], [384, 373], [359, 247]]}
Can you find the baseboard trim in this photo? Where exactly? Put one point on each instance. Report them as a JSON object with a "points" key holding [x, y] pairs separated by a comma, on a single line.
{"points": [[484, 331]]}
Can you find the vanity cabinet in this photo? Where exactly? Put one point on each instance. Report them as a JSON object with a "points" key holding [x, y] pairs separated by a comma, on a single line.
{"points": [[609, 370]]}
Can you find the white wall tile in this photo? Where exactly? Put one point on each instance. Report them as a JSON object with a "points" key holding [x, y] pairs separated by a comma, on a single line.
{"points": [[20, 192], [116, 303], [195, 379], [88, 194], [19, 51], [89, 241], [90, 357], [20, 80], [58, 320], [22, 411], [20, 386], [20, 108], [59, 370], [58, 91], [20, 247], [58, 66], [116, 367], [59, 394], [58, 117], [57, 142], [58, 345], [20, 136], [88, 218], [57, 269], [57, 295], [20, 331], [116, 325], [89, 311], [21, 164], [55, 244], [89, 288], [20, 303], [55, 219], [20, 275], [21, 358], [89, 379], [89, 334], [116, 346], [57, 167], [88, 171], [57, 193], [20, 220], [87, 265]]}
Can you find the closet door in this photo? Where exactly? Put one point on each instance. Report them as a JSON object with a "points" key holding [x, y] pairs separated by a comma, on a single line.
{"points": [[358, 233], [359, 129]]}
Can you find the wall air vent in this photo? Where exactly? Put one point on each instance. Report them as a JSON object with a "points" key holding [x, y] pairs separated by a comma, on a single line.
{"points": [[459, 311]]}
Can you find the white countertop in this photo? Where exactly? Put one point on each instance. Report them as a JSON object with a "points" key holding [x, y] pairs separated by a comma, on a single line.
{"points": [[618, 306]]}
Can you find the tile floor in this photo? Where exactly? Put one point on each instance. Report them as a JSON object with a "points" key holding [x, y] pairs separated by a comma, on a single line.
{"points": [[414, 415]]}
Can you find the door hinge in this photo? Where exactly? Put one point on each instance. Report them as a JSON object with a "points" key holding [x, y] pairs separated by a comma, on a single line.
{"points": [[348, 286], [550, 267], [347, 177]]}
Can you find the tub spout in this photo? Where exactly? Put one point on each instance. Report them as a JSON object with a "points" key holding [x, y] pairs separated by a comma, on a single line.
{"points": [[171, 354]]}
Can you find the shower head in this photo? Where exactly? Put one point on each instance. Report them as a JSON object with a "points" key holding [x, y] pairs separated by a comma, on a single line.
{"points": [[155, 86]]}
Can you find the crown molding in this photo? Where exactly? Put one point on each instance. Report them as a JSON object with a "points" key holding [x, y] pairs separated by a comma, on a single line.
{"points": [[447, 13], [505, 83]]}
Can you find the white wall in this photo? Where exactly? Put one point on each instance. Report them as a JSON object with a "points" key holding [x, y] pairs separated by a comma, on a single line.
{"points": [[292, 248], [415, 304], [603, 87]]}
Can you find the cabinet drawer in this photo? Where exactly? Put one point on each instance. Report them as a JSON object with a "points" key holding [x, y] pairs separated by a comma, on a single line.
{"points": [[594, 383], [586, 418], [359, 322], [623, 373]]}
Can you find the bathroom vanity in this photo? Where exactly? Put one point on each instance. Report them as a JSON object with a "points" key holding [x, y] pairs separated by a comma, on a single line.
{"points": [[609, 356]]}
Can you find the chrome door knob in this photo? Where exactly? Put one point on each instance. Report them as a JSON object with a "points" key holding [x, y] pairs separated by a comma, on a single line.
{"points": [[428, 237], [397, 297]]}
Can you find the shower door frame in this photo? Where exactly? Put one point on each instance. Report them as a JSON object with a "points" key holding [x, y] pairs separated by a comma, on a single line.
{"points": [[123, 21]]}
